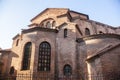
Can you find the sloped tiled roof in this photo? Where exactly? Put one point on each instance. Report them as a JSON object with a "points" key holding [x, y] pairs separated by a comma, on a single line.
{"points": [[47, 10], [103, 51]]}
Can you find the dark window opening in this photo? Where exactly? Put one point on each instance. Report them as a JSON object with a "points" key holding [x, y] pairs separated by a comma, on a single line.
{"points": [[87, 31], [100, 32], [44, 57], [12, 70], [67, 70], [27, 56], [65, 33]]}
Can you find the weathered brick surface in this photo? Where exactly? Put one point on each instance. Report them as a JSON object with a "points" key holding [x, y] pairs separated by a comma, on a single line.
{"points": [[102, 62], [65, 50]]}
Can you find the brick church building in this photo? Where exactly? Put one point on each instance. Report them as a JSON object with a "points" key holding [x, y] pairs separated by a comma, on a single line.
{"points": [[61, 42]]}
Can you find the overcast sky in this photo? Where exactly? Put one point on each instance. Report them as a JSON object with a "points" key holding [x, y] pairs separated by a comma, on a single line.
{"points": [[16, 14]]}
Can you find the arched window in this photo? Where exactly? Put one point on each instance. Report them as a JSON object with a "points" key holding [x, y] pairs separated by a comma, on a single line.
{"points": [[100, 32], [67, 70], [65, 33], [12, 70], [44, 57], [53, 24], [48, 24], [87, 31], [27, 56]]}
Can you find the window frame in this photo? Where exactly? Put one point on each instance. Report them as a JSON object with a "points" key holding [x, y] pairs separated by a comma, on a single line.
{"points": [[44, 57], [65, 32], [27, 56], [87, 31], [67, 70]]}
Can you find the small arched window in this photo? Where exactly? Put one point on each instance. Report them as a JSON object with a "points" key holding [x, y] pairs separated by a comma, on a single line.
{"points": [[87, 31], [67, 70], [12, 70], [27, 56], [53, 24], [100, 32], [44, 57], [65, 33], [48, 24]]}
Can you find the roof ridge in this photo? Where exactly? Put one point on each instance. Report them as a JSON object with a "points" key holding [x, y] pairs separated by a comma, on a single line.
{"points": [[46, 10]]}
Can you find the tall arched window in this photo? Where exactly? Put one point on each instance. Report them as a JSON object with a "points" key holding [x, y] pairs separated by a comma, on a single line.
{"points": [[27, 56], [67, 70], [87, 31], [44, 57]]}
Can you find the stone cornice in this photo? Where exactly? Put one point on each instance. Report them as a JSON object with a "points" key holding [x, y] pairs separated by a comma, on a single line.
{"points": [[5, 50], [97, 36], [63, 24], [39, 29], [80, 14], [33, 24], [63, 15], [66, 15]]}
